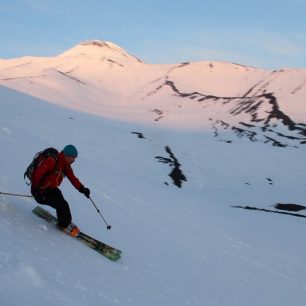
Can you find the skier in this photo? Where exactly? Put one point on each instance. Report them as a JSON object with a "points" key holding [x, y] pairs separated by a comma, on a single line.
{"points": [[45, 182]]}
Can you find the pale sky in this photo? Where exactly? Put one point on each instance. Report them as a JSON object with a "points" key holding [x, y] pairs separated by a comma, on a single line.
{"points": [[268, 34]]}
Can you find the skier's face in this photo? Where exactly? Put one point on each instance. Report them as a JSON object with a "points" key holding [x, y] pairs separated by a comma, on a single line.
{"points": [[70, 159]]}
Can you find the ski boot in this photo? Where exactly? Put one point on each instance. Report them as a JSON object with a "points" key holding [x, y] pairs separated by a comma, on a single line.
{"points": [[71, 230]]}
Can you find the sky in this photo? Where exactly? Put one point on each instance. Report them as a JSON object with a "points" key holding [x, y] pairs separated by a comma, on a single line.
{"points": [[269, 34]]}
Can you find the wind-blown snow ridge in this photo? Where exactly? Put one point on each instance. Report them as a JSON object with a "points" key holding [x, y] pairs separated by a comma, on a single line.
{"points": [[254, 117]]}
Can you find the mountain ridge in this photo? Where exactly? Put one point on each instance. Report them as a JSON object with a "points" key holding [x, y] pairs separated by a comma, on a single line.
{"points": [[102, 78]]}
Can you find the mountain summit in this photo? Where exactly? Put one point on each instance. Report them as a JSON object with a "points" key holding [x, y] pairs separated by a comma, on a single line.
{"points": [[98, 48]]}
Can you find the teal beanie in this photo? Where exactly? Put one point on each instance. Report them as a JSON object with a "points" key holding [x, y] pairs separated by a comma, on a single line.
{"points": [[70, 150]]}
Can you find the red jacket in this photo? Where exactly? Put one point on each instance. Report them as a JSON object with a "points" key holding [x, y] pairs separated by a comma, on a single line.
{"points": [[50, 173]]}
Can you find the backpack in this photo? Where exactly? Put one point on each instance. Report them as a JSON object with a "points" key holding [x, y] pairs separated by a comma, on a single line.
{"points": [[38, 158]]}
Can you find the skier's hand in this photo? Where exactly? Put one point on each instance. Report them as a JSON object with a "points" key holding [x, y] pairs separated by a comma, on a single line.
{"points": [[85, 191]]}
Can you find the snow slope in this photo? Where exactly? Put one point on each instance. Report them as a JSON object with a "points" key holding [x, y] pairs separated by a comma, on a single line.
{"points": [[166, 150], [181, 246]]}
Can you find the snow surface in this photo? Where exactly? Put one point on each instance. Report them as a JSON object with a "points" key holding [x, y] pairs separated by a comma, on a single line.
{"points": [[181, 246]]}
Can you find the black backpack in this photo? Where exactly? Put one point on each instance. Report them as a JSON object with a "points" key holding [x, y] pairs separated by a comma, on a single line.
{"points": [[49, 152]]}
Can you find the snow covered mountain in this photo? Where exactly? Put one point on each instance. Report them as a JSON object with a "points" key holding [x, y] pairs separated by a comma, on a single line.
{"points": [[171, 153], [102, 78]]}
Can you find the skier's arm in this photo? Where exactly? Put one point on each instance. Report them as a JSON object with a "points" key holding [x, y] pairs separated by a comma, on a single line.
{"points": [[72, 178], [76, 183]]}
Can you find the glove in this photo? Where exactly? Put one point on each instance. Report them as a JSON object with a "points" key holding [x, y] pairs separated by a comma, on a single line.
{"points": [[85, 191]]}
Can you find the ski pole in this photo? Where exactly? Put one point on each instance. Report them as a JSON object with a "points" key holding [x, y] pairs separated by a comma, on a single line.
{"points": [[16, 194], [107, 225]]}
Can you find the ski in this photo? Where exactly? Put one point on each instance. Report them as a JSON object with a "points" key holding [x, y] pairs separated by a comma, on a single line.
{"points": [[102, 248]]}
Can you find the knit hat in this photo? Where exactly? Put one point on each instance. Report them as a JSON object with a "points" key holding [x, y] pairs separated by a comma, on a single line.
{"points": [[70, 150]]}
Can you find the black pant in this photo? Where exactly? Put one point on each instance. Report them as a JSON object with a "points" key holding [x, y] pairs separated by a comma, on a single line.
{"points": [[55, 199]]}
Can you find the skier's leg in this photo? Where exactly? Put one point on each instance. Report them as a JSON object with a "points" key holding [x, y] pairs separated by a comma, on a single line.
{"points": [[55, 199]]}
